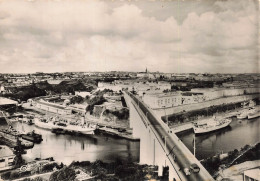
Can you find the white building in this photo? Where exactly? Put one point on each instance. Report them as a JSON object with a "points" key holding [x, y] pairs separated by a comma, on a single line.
{"points": [[82, 94], [252, 175], [2, 89], [6, 158], [162, 100], [172, 99], [215, 93], [5, 101]]}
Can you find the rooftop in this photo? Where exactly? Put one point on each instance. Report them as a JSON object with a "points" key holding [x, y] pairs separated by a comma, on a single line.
{"points": [[5, 151], [254, 173], [5, 101]]}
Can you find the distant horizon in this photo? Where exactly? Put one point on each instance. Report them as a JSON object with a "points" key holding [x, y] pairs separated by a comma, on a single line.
{"points": [[127, 72], [178, 36]]}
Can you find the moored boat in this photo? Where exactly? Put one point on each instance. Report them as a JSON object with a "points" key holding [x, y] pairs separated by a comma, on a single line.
{"points": [[253, 115], [33, 137], [244, 113], [51, 124], [58, 131], [212, 125]]}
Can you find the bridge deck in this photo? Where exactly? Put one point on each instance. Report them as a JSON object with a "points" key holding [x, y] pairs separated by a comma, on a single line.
{"points": [[175, 149]]}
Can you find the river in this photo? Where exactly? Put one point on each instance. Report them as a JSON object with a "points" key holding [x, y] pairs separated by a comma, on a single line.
{"points": [[68, 148], [235, 136]]}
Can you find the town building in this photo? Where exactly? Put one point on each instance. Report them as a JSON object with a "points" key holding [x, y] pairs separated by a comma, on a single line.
{"points": [[172, 99], [252, 175], [156, 100], [6, 103], [6, 158], [82, 93]]}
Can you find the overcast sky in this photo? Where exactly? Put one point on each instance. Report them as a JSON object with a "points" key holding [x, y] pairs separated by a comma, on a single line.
{"points": [[83, 35]]}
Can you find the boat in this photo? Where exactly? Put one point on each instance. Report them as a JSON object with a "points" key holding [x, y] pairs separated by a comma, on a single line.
{"points": [[58, 131], [244, 113], [212, 125], [253, 115], [51, 124], [33, 137]]}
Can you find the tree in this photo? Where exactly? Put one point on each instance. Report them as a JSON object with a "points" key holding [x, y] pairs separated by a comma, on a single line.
{"points": [[18, 150], [76, 100]]}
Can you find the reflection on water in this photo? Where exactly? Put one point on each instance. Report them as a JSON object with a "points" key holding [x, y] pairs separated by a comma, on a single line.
{"points": [[235, 136], [67, 148]]}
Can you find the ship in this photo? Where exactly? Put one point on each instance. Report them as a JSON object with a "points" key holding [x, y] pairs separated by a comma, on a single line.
{"points": [[254, 114], [212, 125], [244, 113], [51, 124], [58, 131], [33, 137]]}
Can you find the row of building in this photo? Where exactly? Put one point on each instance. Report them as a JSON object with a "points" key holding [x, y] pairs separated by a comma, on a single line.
{"points": [[172, 99], [139, 86]]}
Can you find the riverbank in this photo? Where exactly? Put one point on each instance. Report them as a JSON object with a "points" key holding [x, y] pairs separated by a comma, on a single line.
{"points": [[236, 172], [118, 128], [220, 162], [202, 105], [98, 170], [114, 132], [32, 169], [189, 125]]}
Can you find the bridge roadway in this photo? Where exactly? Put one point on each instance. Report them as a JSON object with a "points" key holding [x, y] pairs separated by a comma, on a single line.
{"points": [[176, 151]]}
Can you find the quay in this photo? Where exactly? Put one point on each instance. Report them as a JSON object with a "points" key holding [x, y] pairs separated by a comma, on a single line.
{"points": [[113, 132], [189, 125]]}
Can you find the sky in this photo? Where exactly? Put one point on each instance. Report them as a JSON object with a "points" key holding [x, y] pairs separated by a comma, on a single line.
{"points": [[178, 36]]}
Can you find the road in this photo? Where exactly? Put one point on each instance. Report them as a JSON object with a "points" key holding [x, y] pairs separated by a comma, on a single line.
{"points": [[178, 151]]}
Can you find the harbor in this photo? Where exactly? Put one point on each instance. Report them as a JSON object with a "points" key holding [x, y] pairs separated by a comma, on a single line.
{"points": [[67, 148], [206, 145], [224, 140]]}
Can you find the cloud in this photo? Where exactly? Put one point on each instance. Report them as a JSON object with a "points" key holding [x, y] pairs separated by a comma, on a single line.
{"points": [[79, 35]]}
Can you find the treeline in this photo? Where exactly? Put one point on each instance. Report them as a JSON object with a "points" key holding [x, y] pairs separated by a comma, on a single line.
{"points": [[44, 88], [120, 114], [195, 114], [114, 171], [212, 164], [16, 174], [25, 93], [97, 100]]}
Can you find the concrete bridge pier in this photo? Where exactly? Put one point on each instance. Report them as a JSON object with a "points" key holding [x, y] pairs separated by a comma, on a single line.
{"points": [[151, 152], [135, 122]]}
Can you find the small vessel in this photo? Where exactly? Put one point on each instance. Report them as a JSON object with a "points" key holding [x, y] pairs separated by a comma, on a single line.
{"points": [[58, 131], [212, 125], [244, 113], [253, 114], [51, 124], [33, 137]]}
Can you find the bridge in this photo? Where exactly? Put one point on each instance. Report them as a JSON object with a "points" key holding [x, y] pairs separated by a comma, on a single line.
{"points": [[160, 146]]}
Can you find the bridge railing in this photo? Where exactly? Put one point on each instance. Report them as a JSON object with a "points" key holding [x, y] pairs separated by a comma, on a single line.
{"points": [[176, 152]]}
